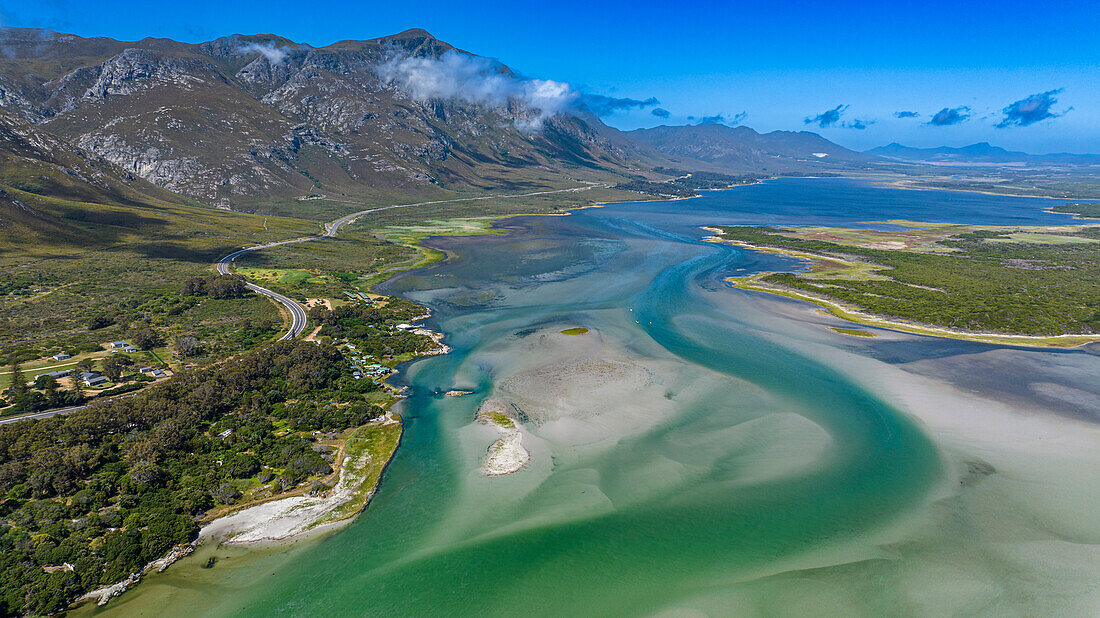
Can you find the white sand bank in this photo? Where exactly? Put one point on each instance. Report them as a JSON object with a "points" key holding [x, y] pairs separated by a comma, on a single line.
{"points": [[506, 455]]}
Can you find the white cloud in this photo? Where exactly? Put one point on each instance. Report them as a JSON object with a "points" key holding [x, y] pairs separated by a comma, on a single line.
{"points": [[274, 55], [480, 81]]}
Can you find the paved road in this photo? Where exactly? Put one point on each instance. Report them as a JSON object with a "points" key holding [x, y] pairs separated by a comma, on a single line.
{"points": [[39, 415], [297, 313]]}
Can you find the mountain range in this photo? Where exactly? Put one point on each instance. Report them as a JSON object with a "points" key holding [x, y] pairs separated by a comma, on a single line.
{"points": [[244, 122], [743, 149], [982, 152]]}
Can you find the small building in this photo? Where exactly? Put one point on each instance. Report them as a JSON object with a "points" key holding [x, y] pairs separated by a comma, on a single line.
{"points": [[129, 348], [145, 370], [60, 373], [119, 344], [91, 379], [226, 433], [62, 356], [157, 373]]}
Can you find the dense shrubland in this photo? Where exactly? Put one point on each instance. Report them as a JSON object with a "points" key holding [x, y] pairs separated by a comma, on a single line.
{"points": [[111, 487]]}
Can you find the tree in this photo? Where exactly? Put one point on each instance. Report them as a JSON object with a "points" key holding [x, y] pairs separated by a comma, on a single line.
{"points": [[100, 321], [113, 367], [320, 314], [85, 365], [194, 286], [77, 389], [145, 337], [226, 286], [188, 345], [18, 382]]}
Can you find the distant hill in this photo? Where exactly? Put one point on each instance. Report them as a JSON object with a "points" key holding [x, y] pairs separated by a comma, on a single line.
{"points": [[982, 152], [743, 149]]}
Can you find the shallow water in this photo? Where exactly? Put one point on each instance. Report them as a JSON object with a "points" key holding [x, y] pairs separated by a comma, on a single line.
{"points": [[702, 449]]}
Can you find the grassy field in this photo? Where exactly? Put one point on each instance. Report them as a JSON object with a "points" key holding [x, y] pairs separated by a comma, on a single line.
{"points": [[125, 258], [1039, 283]]}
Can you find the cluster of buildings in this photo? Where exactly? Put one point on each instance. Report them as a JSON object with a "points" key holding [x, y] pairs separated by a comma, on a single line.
{"points": [[360, 296], [364, 365], [91, 378]]}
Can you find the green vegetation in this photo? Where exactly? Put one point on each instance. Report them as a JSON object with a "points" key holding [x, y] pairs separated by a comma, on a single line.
{"points": [[1081, 183], [686, 184], [371, 328], [366, 453], [1028, 281], [1081, 210], [855, 332], [115, 485], [578, 330], [499, 418], [76, 273], [659, 189]]}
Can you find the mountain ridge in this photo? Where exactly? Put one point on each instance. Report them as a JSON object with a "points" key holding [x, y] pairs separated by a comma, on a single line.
{"points": [[742, 148], [980, 152], [258, 122]]}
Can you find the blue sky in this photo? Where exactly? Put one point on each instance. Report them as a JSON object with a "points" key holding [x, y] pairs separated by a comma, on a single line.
{"points": [[779, 63]]}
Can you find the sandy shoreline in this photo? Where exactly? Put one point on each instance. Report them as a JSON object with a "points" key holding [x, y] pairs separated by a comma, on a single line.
{"points": [[281, 519], [277, 520]]}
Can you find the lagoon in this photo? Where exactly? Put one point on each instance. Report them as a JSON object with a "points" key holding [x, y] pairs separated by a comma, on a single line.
{"points": [[700, 450]]}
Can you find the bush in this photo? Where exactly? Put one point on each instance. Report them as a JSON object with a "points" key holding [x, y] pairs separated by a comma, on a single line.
{"points": [[146, 338], [100, 321]]}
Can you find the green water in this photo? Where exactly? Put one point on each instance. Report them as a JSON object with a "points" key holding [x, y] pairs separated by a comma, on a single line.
{"points": [[745, 476]]}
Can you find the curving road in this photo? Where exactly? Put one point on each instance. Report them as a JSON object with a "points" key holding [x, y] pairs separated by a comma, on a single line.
{"points": [[297, 312]]}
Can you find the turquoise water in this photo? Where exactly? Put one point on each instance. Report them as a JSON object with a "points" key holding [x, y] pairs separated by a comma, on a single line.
{"points": [[735, 458]]}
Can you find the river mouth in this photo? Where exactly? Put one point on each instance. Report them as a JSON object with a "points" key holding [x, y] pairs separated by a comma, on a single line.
{"points": [[698, 449]]}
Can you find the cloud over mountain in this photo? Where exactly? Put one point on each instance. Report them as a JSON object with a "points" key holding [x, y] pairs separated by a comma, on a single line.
{"points": [[827, 118], [275, 55], [477, 80], [734, 120], [949, 116], [1032, 109], [660, 112], [906, 114]]}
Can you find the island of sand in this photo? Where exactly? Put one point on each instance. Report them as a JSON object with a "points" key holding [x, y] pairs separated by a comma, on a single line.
{"points": [[507, 454]]}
